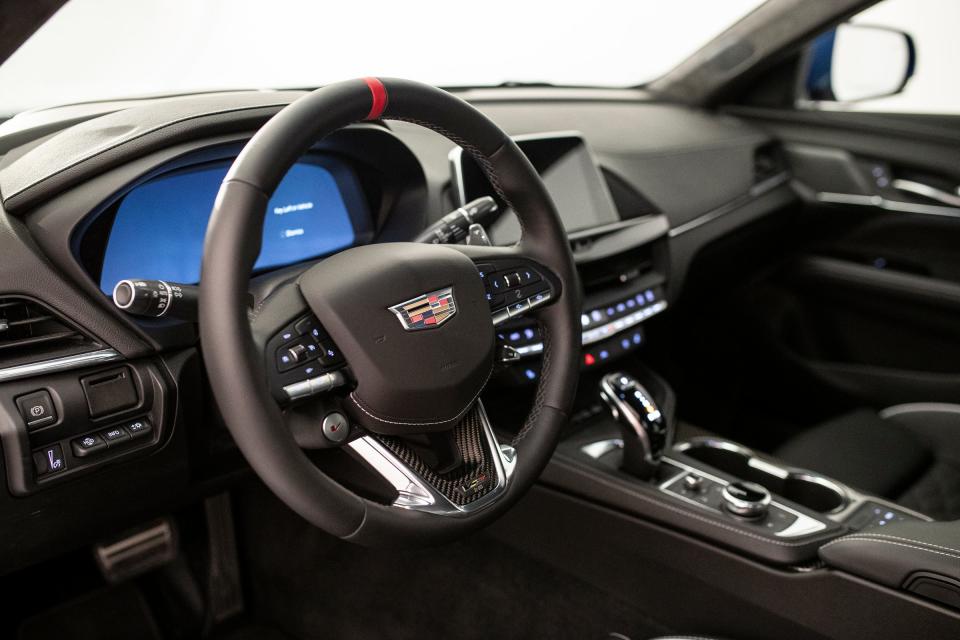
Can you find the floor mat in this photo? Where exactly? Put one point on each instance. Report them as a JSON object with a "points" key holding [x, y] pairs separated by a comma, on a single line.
{"points": [[314, 586], [115, 613]]}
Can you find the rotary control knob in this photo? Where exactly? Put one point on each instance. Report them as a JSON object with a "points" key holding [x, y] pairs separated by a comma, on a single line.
{"points": [[746, 499]]}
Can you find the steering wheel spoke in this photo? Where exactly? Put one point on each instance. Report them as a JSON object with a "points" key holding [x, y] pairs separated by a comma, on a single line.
{"points": [[454, 473], [300, 357]]}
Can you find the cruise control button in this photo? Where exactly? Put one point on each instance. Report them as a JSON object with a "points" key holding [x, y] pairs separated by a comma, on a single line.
{"points": [[49, 460], [518, 308], [90, 443], [139, 428], [330, 355], [37, 409], [114, 435]]}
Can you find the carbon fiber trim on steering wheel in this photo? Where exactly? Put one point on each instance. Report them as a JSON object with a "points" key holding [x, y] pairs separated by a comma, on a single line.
{"points": [[473, 479]]}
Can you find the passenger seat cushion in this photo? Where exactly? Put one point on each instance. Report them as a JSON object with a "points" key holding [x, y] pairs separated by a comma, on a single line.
{"points": [[877, 456], [937, 491]]}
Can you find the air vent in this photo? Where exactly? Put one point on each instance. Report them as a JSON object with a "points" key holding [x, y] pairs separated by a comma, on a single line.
{"points": [[768, 162], [28, 328]]}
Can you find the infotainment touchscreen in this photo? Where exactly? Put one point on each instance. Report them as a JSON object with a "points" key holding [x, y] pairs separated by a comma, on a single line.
{"points": [[568, 170]]}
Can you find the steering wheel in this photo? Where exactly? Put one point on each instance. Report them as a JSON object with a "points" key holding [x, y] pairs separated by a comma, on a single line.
{"points": [[413, 324]]}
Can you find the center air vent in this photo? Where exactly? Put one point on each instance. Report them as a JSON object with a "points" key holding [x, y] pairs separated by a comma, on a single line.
{"points": [[28, 328]]}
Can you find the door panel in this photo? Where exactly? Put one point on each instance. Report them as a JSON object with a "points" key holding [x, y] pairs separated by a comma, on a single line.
{"points": [[873, 308]]}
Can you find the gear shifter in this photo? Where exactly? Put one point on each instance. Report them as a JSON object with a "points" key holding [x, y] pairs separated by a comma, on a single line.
{"points": [[646, 431]]}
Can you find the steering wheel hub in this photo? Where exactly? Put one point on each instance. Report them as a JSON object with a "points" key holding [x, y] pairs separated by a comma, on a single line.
{"points": [[419, 362]]}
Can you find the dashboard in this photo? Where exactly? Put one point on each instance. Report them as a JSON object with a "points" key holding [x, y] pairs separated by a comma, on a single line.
{"points": [[626, 175]]}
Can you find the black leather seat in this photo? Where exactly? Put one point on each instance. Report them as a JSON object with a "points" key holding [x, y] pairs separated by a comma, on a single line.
{"points": [[908, 453]]}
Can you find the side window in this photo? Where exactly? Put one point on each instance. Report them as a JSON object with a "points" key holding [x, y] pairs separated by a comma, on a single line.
{"points": [[896, 56]]}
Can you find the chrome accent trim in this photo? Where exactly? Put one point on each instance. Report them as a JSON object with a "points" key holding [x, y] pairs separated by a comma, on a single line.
{"points": [[887, 205], [756, 462], [59, 364], [414, 492], [744, 508], [926, 191], [757, 190], [604, 331], [597, 450], [133, 294], [919, 407], [313, 386]]}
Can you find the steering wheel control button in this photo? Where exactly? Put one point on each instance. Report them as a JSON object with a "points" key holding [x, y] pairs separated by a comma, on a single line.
{"points": [[114, 436], [37, 409], [49, 460], [511, 280], [139, 428], [336, 428], [313, 386], [330, 355], [308, 327], [87, 445], [746, 499]]}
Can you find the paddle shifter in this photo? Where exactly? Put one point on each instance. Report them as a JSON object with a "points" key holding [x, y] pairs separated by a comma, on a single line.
{"points": [[646, 431]]}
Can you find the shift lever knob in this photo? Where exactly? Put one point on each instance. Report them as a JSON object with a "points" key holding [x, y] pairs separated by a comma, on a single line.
{"points": [[646, 431]]}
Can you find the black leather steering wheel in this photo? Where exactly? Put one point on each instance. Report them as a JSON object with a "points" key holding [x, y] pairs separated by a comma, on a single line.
{"points": [[412, 322]]}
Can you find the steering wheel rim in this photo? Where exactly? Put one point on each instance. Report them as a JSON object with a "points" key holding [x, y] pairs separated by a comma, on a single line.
{"points": [[235, 363]]}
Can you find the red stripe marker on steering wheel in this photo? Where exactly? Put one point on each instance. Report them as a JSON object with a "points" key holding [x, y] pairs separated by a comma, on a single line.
{"points": [[379, 98]]}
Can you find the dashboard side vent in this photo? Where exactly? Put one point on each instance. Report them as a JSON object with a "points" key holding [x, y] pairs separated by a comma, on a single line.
{"points": [[768, 162], [28, 327]]}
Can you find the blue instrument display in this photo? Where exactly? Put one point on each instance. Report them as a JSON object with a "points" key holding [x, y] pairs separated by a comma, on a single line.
{"points": [[159, 226]]}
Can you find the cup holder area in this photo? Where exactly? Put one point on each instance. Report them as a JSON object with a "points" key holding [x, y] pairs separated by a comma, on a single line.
{"points": [[804, 488]]}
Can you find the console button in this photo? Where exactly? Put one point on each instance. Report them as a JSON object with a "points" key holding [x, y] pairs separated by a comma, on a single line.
{"points": [[88, 444], [139, 428], [49, 460], [114, 436], [37, 409], [528, 276]]}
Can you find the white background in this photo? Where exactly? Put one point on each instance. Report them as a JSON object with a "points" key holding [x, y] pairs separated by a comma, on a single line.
{"points": [[97, 49]]}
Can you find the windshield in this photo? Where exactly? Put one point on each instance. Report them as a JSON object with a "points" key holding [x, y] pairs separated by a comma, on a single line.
{"points": [[101, 49]]}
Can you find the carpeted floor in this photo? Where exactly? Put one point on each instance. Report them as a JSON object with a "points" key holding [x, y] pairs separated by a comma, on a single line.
{"points": [[311, 585]]}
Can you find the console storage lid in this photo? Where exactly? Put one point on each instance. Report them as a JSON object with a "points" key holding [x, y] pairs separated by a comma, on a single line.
{"points": [[921, 557]]}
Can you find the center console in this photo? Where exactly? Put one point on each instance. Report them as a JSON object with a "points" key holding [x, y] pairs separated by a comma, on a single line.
{"points": [[626, 458]]}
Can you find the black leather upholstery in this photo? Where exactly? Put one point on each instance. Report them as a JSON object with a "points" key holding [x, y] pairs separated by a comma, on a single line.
{"points": [[892, 555], [908, 453]]}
